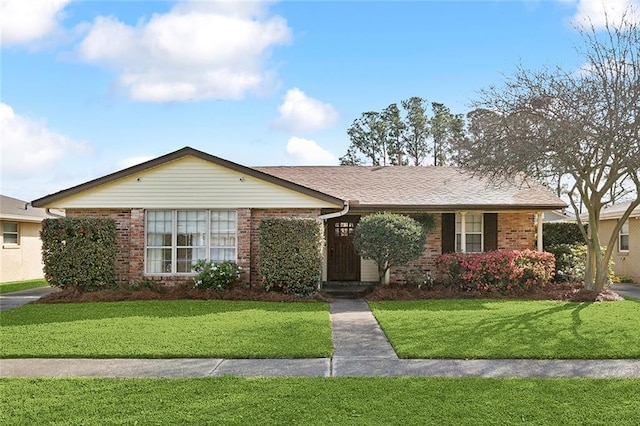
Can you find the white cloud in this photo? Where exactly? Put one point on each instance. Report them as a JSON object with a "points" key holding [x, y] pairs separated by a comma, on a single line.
{"points": [[307, 152], [23, 21], [29, 147], [301, 113], [598, 12], [198, 50]]}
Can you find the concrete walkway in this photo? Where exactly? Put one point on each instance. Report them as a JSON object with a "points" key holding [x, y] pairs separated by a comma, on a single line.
{"points": [[360, 349], [627, 290], [22, 297]]}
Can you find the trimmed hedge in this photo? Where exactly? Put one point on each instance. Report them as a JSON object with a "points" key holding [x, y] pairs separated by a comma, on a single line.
{"points": [[79, 252], [555, 233], [290, 255], [501, 271]]}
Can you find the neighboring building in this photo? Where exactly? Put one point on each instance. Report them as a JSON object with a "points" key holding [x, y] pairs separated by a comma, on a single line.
{"points": [[626, 255], [187, 205], [21, 255]]}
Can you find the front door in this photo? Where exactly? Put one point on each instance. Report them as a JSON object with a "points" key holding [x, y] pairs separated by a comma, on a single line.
{"points": [[343, 262]]}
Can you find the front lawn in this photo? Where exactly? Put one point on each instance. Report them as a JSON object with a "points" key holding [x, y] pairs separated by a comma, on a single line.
{"points": [[320, 401], [21, 285], [167, 329], [474, 328]]}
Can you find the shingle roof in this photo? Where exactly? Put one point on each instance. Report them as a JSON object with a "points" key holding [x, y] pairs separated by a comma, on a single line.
{"points": [[15, 209], [407, 186]]}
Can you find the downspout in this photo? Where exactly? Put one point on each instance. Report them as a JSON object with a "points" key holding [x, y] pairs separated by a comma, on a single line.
{"points": [[324, 217], [333, 215], [50, 213]]}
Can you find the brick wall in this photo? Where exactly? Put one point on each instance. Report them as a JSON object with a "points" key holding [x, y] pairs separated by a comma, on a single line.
{"points": [[516, 231]]}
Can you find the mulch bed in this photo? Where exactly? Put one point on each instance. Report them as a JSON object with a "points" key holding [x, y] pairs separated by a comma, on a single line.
{"points": [[570, 292], [72, 295]]}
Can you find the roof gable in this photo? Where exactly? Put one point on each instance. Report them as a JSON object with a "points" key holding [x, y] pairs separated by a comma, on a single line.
{"points": [[191, 179]]}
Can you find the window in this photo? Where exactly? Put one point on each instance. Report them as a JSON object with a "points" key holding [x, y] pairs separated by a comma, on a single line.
{"points": [[473, 232], [10, 234], [623, 240], [176, 239]]}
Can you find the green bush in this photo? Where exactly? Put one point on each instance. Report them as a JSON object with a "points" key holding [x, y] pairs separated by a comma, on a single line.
{"points": [[290, 258], [79, 252], [556, 233], [215, 276], [571, 261], [389, 240]]}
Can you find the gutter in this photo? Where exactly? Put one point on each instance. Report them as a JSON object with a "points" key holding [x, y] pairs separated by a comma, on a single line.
{"points": [[50, 213], [333, 215]]}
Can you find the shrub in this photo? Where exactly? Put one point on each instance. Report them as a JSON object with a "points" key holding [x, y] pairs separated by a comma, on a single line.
{"points": [[79, 252], [143, 285], [419, 278], [571, 262], [389, 240], [215, 276], [555, 233], [290, 257], [497, 270]]}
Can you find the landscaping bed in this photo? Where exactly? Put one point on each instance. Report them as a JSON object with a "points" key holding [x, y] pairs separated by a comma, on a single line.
{"points": [[568, 292], [237, 292]]}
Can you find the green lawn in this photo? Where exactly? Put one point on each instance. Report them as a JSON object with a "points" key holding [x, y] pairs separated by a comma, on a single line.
{"points": [[319, 401], [511, 329], [167, 329], [21, 285]]}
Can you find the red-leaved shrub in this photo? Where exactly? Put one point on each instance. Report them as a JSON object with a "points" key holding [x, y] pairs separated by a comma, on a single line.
{"points": [[496, 270]]}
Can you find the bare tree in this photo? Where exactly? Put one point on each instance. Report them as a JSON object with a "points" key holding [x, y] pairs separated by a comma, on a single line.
{"points": [[581, 126]]}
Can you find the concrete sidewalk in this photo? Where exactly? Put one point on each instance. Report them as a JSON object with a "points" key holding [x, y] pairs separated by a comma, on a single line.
{"points": [[360, 349]]}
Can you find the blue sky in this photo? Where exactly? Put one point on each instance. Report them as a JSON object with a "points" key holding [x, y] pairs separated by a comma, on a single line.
{"points": [[91, 87]]}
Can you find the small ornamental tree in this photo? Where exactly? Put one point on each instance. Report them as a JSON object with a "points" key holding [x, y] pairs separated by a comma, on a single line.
{"points": [[79, 252], [389, 240]]}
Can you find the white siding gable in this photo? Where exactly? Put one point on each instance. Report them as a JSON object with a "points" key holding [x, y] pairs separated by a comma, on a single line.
{"points": [[189, 182]]}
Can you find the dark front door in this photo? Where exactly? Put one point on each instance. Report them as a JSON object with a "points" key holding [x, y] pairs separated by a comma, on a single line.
{"points": [[343, 263]]}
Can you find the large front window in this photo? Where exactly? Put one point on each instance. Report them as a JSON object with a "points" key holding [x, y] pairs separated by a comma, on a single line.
{"points": [[473, 232], [176, 239]]}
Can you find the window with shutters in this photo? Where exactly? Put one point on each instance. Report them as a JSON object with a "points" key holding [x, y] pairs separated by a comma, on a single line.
{"points": [[473, 232]]}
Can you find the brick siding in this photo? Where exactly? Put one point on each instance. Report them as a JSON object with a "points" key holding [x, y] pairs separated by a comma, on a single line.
{"points": [[516, 231]]}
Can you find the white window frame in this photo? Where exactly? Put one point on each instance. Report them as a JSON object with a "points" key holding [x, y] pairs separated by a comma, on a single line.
{"points": [[460, 226], [174, 241], [621, 234], [16, 233]]}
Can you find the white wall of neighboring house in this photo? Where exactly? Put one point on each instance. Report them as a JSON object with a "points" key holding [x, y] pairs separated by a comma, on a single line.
{"points": [[626, 263], [22, 261]]}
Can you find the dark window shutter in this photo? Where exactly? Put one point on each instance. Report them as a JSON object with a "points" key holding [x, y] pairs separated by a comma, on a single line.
{"points": [[490, 231], [448, 232]]}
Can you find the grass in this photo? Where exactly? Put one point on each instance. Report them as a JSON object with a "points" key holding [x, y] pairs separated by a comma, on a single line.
{"points": [[21, 285], [511, 329], [167, 329], [319, 401]]}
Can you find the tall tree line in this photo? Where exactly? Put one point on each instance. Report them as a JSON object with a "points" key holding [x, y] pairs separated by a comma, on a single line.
{"points": [[405, 135]]}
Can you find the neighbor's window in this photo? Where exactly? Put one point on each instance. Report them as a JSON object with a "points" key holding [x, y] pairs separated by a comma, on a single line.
{"points": [[10, 234], [623, 241], [176, 239], [473, 232]]}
